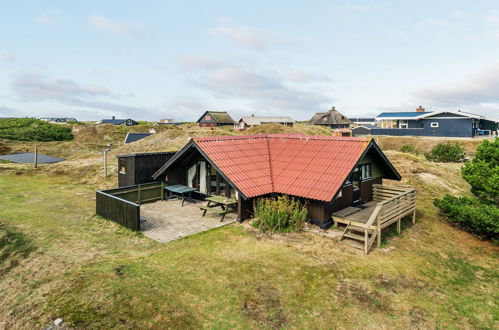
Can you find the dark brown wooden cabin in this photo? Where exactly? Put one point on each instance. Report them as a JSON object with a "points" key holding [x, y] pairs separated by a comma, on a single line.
{"points": [[328, 173], [138, 168], [215, 119]]}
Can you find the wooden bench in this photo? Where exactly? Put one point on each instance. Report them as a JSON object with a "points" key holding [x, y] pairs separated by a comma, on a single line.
{"points": [[217, 210]]}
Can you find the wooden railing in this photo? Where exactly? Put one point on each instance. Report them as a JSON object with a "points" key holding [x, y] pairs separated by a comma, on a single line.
{"points": [[394, 203], [122, 205]]}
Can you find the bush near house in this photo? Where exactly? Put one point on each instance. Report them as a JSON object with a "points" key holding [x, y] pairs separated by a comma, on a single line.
{"points": [[471, 214], [479, 215], [446, 153], [409, 148], [30, 129], [281, 214]]}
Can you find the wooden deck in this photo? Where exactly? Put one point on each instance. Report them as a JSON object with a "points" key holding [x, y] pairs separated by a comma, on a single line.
{"points": [[365, 222]]}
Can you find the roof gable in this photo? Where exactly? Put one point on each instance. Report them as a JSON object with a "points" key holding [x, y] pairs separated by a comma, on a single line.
{"points": [[304, 166], [221, 117]]}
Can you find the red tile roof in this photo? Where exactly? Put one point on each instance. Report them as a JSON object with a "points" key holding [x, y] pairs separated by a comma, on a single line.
{"points": [[304, 166]]}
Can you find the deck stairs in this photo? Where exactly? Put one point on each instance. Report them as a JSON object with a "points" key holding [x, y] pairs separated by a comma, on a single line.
{"points": [[358, 237]]}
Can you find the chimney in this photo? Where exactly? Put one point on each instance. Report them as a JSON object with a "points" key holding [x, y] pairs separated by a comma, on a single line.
{"points": [[333, 109], [113, 117], [420, 109]]}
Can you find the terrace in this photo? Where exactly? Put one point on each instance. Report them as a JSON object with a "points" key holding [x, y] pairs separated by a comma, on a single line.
{"points": [[364, 223]]}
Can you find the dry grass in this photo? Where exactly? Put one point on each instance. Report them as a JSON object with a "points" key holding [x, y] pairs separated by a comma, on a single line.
{"points": [[58, 260]]}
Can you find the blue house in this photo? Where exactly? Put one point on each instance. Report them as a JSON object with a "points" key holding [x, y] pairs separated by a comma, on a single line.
{"points": [[437, 123]]}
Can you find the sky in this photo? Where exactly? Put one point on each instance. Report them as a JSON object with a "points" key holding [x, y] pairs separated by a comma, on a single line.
{"points": [[149, 60]]}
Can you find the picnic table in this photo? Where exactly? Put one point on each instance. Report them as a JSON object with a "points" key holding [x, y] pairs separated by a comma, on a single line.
{"points": [[181, 190], [225, 204]]}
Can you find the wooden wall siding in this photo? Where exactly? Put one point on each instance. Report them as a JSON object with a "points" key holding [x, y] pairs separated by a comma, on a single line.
{"points": [[366, 191], [244, 209], [122, 205], [345, 200], [140, 168]]}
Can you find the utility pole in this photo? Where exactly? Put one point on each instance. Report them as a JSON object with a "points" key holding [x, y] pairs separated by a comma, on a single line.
{"points": [[36, 156]]}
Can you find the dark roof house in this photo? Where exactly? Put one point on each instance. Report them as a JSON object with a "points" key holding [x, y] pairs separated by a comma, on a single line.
{"points": [[363, 130], [332, 118], [215, 118], [133, 137], [124, 122], [438, 123]]}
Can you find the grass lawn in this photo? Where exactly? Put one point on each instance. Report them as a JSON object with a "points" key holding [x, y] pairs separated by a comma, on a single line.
{"points": [[59, 260]]}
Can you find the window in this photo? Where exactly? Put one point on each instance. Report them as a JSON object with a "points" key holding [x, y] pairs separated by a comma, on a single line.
{"points": [[361, 172], [122, 167], [434, 124], [207, 117], [404, 124], [365, 170]]}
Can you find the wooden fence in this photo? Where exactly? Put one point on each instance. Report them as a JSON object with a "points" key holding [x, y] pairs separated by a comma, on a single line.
{"points": [[122, 205]]}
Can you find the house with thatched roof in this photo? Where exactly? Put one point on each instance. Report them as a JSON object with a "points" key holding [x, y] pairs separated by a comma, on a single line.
{"points": [[332, 119], [215, 118]]}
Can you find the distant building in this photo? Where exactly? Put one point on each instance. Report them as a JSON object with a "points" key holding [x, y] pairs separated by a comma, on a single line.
{"points": [[253, 120], [363, 130], [439, 123], [215, 119], [132, 137], [57, 119], [332, 119], [166, 122], [114, 121], [363, 120]]}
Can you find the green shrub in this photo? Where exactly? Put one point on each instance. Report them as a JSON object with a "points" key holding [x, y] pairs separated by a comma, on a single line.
{"points": [[482, 172], [30, 129], [281, 214], [409, 148], [471, 214], [75, 122], [446, 153]]}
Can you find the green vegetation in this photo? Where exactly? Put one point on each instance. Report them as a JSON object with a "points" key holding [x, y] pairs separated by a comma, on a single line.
{"points": [[409, 148], [30, 129], [471, 214], [76, 122], [57, 259], [478, 215], [482, 173], [446, 153], [282, 214]]}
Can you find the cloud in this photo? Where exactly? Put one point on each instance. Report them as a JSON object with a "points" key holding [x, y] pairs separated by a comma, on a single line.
{"points": [[36, 87], [261, 89], [433, 23], [6, 57], [46, 19], [121, 28], [249, 36], [477, 91]]}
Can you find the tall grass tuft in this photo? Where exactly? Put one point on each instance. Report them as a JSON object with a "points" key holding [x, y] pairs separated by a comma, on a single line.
{"points": [[282, 214]]}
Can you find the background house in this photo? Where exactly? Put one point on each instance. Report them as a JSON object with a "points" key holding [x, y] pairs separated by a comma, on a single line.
{"points": [[253, 120], [165, 121], [438, 123], [332, 119], [215, 119], [58, 119], [133, 137], [363, 130], [124, 122], [363, 120]]}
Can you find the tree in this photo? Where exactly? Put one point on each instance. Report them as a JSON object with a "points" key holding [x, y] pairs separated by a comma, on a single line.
{"points": [[482, 172]]}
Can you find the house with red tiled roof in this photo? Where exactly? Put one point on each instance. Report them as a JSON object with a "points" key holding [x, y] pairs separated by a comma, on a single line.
{"points": [[328, 173]]}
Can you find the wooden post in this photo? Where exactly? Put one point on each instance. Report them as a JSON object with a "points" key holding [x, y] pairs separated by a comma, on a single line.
{"points": [[36, 156], [398, 225], [162, 190], [217, 184], [414, 216], [366, 241], [139, 197], [105, 163]]}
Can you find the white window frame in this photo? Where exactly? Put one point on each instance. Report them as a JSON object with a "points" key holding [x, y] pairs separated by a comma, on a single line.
{"points": [[434, 124], [403, 124]]}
